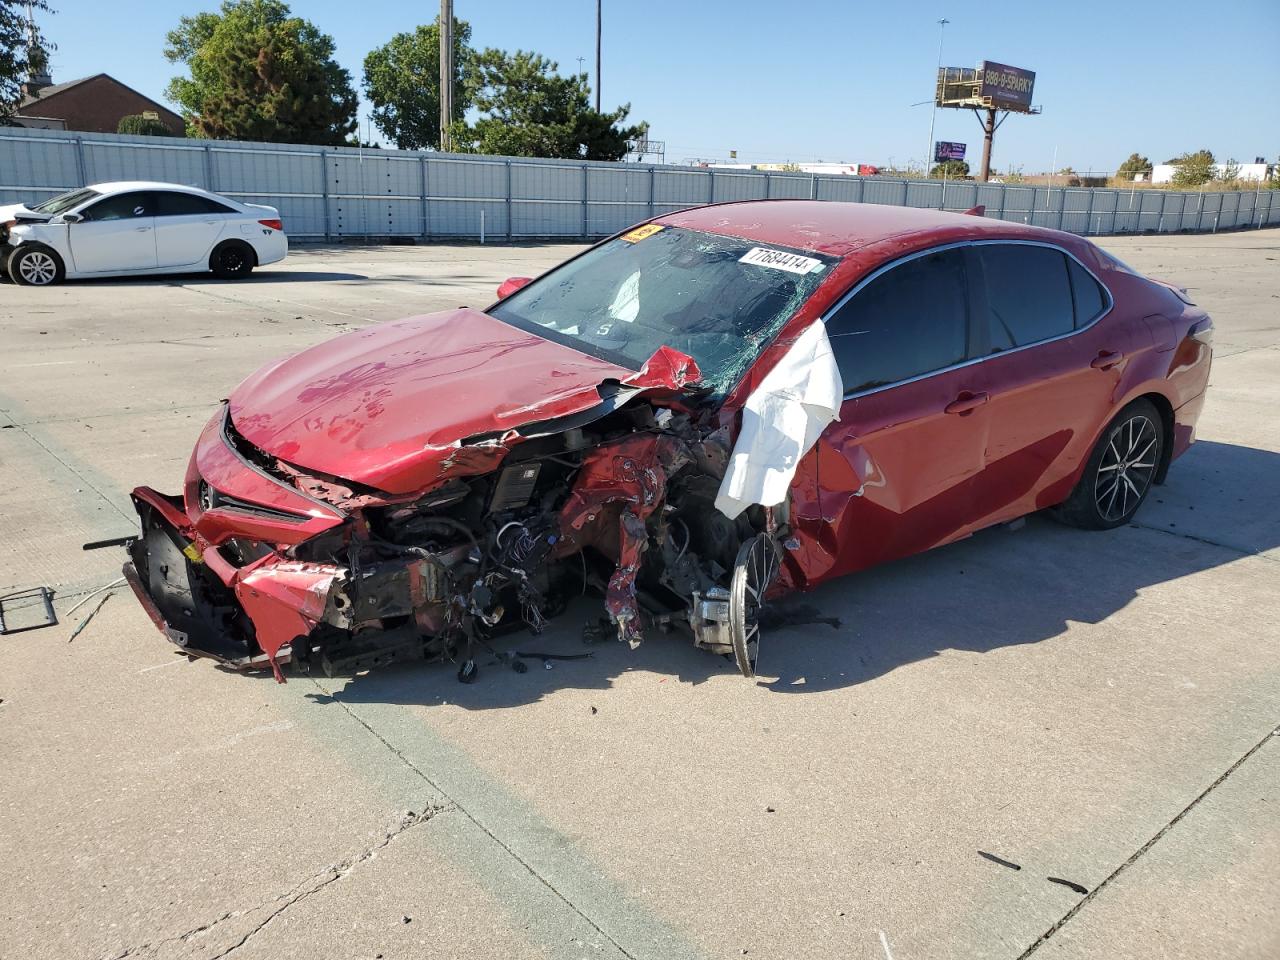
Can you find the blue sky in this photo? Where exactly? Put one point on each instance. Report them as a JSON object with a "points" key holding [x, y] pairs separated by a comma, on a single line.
{"points": [[819, 79]]}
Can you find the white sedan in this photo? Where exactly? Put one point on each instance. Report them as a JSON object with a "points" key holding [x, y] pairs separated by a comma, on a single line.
{"points": [[136, 228]]}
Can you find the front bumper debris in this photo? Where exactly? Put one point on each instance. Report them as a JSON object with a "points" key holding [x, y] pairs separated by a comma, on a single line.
{"points": [[245, 617]]}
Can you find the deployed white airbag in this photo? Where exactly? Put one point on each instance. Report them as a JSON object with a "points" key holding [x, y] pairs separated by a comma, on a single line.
{"points": [[781, 421]]}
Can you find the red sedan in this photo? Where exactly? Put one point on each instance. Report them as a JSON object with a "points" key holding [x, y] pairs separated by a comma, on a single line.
{"points": [[705, 411]]}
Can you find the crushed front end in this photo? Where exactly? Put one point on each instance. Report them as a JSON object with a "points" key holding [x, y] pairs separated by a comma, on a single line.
{"points": [[261, 562]]}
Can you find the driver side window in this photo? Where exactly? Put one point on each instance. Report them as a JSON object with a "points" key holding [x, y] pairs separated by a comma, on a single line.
{"points": [[125, 206], [909, 321]]}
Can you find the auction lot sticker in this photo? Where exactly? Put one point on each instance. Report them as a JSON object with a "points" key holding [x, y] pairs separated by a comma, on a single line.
{"points": [[780, 260], [639, 233]]}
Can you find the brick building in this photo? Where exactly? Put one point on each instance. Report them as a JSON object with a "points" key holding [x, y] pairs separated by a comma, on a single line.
{"points": [[93, 104]]}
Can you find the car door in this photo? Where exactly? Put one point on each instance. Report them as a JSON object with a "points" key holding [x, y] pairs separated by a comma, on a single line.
{"points": [[1052, 368], [115, 234], [896, 471], [187, 227]]}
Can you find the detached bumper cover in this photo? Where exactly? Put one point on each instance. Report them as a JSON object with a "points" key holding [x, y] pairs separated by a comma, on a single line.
{"points": [[246, 617]]}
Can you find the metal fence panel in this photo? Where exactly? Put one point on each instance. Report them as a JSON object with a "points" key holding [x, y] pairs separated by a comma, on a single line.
{"points": [[620, 184], [340, 192], [604, 219], [470, 179], [1076, 210], [737, 186], [1103, 211], [681, 188], [1171, 212], [856, 191], [40, 167], [1018, 203], [545, 182], [105, 161], [542, 218], [462, 218], [789, 187]]}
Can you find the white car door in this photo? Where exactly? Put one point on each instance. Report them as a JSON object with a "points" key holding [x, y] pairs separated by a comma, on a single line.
{"points": [[115, 234], [187, 226]]}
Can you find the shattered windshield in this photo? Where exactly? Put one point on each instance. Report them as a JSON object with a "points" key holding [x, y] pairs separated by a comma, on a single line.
{"points": [[718, 299], [63, 201]]}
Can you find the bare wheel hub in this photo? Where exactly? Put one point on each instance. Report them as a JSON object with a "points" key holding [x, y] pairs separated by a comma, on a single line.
{"points": [[753, 571]]}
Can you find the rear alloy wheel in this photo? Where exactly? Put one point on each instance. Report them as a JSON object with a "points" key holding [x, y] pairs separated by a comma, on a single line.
{"points": [[753, 571], [232, 261], [1120, 471], [35, 266]]}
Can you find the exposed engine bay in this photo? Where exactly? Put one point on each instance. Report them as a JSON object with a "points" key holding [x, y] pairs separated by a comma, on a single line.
{"points": [[617, 501]]}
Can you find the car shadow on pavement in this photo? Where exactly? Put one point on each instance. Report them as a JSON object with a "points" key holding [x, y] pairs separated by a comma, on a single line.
{"points": [[264, 275], [1003, 587]]}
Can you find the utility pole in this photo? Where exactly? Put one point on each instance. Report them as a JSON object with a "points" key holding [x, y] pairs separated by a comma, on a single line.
{"points": [[598, 2], [928, 154], [446, 73]]}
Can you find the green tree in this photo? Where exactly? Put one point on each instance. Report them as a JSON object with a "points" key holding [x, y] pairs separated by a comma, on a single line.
{"points": [[1135, 165], [141, 125], [1193, 169], [950, 169], [259, 73], [1230, 171], [528, 110], [402, 80], [18, 57]]}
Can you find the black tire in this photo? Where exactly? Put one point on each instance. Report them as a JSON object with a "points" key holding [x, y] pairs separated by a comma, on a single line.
{"points": [[1120, 472], [35, 265], [232, 260]]}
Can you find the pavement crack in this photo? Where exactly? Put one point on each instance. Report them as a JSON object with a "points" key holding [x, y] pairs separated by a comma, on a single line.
{"points": [[1066, 917], [297, 893], [479, 825], [1242, 551]]}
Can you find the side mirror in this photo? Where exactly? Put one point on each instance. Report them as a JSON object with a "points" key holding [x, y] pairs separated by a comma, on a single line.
{"points": [[71, 218], [511, 285]]}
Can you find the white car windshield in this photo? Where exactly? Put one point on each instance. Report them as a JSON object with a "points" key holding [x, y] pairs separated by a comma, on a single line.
{"points": [[718, 299], [64, 201]]}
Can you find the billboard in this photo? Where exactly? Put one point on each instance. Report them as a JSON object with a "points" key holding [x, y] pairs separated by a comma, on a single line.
{"points": [[944, 150], [1005, 87]]}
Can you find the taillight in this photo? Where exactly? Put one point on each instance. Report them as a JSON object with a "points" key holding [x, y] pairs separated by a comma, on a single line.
{"points": [[1202, 330], [273, 224]]}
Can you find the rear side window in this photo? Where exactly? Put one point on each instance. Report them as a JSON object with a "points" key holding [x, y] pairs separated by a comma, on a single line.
{"points": [[123, 206], [909, 321], [1089, 298], [1028, 294], [170, 203]]}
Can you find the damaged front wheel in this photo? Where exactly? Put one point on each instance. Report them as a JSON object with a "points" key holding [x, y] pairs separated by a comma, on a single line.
{"points": [[756, 565]]}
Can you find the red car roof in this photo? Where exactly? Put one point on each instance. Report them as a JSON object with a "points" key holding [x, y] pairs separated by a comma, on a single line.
{"points": [[838, 229]]}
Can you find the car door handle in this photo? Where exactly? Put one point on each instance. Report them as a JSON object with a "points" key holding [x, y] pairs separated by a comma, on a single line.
{"points": [[142, 229], [1106, 360], [966, 403]]}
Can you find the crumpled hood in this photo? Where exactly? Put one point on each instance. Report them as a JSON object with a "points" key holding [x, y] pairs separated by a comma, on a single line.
{"points": [[387, 406], [13, 210]]}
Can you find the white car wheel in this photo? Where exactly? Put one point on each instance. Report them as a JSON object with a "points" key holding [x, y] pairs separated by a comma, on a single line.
{"points": [[35, 268]]}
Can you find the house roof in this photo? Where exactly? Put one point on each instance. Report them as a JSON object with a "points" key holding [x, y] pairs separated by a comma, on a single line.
{"points": [[47, 93]]}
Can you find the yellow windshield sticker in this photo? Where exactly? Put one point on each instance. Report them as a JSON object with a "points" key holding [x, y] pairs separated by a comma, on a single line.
{"points": [[639, 233]]}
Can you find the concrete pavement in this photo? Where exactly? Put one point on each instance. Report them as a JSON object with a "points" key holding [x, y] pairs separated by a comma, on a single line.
{"points": [[1095, 708]]}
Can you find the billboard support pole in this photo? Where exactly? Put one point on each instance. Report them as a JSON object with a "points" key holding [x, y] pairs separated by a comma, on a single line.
{"points": [[988, 134]]}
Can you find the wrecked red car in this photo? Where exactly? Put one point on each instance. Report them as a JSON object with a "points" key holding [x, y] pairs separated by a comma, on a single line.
{"points": [[712, 408]]}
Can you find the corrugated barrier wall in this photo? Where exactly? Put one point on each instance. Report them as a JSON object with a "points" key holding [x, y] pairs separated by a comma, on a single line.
{"points": [[332, 193]]}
